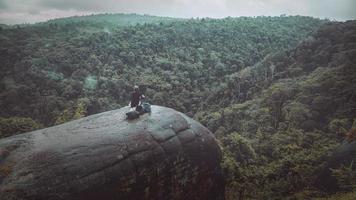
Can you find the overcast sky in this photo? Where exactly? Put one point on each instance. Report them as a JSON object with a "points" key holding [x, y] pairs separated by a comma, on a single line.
{"points": [[29, 11]]}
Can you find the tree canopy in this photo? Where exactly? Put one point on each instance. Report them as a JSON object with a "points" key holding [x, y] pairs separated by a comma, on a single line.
{"points": [[278, 92]]}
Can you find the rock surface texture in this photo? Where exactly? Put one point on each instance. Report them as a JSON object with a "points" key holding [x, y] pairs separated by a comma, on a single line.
{"points": [[162, 155]]}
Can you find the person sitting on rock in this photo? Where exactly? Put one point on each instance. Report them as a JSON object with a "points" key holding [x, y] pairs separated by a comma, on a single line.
{"points": [[136, 97]]}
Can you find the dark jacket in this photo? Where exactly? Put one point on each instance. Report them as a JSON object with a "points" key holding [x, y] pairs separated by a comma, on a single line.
{"points": [[136, 96]]}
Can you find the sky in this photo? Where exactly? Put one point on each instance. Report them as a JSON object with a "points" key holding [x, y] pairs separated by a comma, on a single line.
{"points": [[30, 11]]}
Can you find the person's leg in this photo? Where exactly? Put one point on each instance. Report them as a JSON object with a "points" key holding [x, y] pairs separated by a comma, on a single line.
{"points": [[132, 109]]}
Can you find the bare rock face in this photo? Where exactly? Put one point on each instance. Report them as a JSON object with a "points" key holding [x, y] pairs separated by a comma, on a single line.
{"points": [[162, 155]]}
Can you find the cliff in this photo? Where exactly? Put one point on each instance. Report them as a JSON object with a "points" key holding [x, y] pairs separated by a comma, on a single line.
{"points": [[162, 155]]}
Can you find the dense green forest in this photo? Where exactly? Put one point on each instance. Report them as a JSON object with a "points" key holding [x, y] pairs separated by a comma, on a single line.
{"points": [[52, 68], [278, 92], [111, 20]]}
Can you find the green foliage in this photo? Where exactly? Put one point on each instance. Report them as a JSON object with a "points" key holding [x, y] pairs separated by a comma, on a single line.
{"points": [[346, 177], [55, 76], [90, 83], [299, 115], [239, 148], [179, 62], [277, 110], [339, 126], [340, 196], [78, 111], [107, 21], [65, 116], [16, 125], [293, 124]]}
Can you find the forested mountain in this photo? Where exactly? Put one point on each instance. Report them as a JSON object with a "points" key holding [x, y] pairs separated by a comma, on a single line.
{"points": [[278, 92], [56, 68], [112, 19], [302, 106]]}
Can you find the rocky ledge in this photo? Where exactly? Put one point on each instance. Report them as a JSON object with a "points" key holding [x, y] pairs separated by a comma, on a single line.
{"points": [[162, 155]]}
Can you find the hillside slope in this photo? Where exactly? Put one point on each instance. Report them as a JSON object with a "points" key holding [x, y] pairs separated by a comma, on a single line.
{"points": [[295, 108], [54, 73]]}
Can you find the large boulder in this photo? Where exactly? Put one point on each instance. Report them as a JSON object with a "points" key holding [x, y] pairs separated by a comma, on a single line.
{"points": [[162, 155]]}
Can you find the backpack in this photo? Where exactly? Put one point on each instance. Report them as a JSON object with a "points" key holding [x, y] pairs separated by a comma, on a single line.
{"points": [[146, 107], [139, 108], [132, 115]]}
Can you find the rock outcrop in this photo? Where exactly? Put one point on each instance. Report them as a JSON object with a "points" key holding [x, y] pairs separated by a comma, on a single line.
{"points": [[162, 155]]}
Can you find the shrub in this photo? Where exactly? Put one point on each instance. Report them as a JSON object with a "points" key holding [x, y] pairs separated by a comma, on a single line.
{"points": [[78, 111], [90, 82], [346, 177], [339, 126], [16, 125], [239, 147]]}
